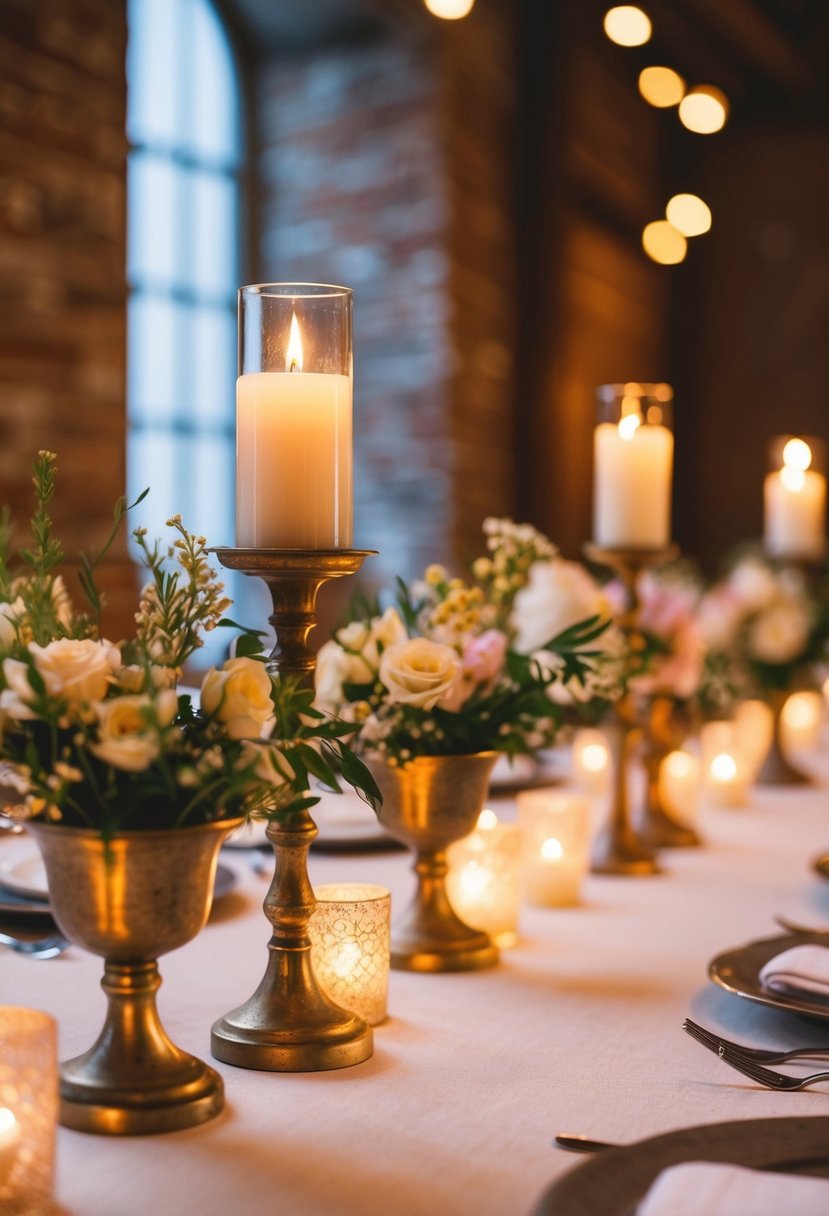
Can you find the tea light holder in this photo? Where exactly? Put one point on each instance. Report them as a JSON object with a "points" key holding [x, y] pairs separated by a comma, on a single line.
{"points": [[679, 785], [349, 932], [28, 1109], [726, 775], [484, 879], [754, 725], [591, 761], [801, 721], [555, 828]]}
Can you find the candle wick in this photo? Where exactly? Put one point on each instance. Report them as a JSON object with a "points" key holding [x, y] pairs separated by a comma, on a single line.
{"points": [[294, 366]]}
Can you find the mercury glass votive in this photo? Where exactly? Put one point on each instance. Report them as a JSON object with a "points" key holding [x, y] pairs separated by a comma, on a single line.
{"points": [[555, 829], [484, 879], [350, 952], [28, 1110], [591, 761]]}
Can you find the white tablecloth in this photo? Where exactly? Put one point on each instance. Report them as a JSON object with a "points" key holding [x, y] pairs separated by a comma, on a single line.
{"points": [[579, 1030]]}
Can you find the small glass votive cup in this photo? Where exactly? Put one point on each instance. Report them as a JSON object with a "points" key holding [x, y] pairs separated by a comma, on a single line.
{"points": [[484, 879], [28, 1110], [679, 785], [350, 952], [591, 761], [726, 773], [555, 828]]}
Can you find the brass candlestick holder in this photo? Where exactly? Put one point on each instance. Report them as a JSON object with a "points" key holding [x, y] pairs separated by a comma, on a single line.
{"points": [[289, 1025], [663, 734], [618, 848]]}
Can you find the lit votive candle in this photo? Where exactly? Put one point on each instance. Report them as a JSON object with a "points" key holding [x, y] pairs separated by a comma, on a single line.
{"points": [[591, 761], [483, 883], [801, 721], [725, 772], [28, 1109], [555, 828], [679, 785], [754, 728], [349, 932], [795, 498]]}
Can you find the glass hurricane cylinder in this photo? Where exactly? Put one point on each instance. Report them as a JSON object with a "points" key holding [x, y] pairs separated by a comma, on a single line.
{"points": [[794, 498], [293, 417], [28, 1110], [633, 447]]}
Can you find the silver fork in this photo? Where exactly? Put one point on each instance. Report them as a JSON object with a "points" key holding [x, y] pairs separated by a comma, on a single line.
{"points": [[767, 1076], [43, 947], [793, 926], [718, 1044]]}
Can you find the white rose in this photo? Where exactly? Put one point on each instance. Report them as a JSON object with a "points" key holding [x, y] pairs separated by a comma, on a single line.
{"points": [[10, 616], [420, 672], [271, 765], [754, 584], [363, 641], [558, 594], [127, 733], [15, 699], [76, 670], [240, 696], [332, 664], [780, 634]]}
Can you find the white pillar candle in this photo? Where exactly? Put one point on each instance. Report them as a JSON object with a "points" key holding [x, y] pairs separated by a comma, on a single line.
{"points": [[555, 832], [795, 505], [483, 883], [632, 484], [294, 476], [679, 785], [591, 761]]}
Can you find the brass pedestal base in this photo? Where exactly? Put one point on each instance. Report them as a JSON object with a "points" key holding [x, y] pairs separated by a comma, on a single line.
{"points": [[618, 852], [661, 832], [433, 938], [134, 1081]]}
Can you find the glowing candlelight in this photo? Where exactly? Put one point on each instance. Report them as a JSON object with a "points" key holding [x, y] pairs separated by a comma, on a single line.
{"points": [[795, 500], [555, 827], [483, 883], [349, 932]]}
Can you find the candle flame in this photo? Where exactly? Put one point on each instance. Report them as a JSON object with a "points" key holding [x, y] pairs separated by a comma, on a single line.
{"points": [[629, 425], [293, 355], [487, 820], [797, 455], [724, 767], [551, 850]]}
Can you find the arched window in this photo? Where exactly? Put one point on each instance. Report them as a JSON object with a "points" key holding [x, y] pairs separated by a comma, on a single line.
{"points": [[184, 125]]}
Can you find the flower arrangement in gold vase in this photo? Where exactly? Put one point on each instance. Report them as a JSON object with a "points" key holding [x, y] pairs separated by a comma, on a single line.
{"points": [[130, 787]]}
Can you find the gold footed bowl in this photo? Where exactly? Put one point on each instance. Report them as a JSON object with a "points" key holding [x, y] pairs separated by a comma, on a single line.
{"points": [[130, 901], [777, 769], [428, 804]]}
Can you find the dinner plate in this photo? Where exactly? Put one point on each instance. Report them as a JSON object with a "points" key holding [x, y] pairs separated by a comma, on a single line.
{"points": [[344, 821], [25, 876], [615, 1180], [738, 971]]}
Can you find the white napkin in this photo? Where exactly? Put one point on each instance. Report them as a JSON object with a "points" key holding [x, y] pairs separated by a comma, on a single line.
{"points": [[801, 969], [706, 1188]]}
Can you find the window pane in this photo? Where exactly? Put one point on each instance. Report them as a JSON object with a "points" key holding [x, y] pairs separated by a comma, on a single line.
{"points": [[154, 71], [213, 219], [154, 186], [213, 133], [212, 460], [154, 340], [212, 343], [152, 461]]}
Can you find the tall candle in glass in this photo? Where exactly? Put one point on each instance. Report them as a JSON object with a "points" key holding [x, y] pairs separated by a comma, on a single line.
{"points": [[633, 449], [294, 479], [794, 498]]}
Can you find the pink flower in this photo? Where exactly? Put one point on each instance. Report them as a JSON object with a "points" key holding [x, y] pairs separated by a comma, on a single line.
{"points": [[482, 662]]}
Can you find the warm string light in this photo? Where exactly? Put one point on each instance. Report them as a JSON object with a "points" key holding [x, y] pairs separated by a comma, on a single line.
{"points": [[627, 25], [663, 243], [661, 87], [449, 10], [704, 109], [688, 214]]}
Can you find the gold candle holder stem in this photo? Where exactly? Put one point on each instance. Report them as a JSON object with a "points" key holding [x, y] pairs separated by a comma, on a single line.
{"points": [[663, 733], [619, 849], [289, 1025], [776, 769]]}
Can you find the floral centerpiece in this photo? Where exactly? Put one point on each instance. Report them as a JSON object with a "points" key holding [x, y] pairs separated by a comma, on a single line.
{"points": [[452, 669], [97, 734]]}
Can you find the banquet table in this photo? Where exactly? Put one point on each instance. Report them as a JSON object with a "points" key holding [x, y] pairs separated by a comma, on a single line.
{"points": [[577, 1030]]}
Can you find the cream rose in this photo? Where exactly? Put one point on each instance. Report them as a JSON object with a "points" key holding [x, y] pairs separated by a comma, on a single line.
{"points": [[240, 696], [780, 634], [10, 616], [269, 762], [76, 670], [329, 676], [363, 641], [420, 672], [128, 729], [16, 697], [558, 594]]}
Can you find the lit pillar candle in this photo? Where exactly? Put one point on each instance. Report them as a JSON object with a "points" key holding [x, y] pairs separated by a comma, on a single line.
{"points": [[483, 883], [28, 1109], [801, 720], [726, 773], [293, 418], [679, 782], [633, 467], [591, 761], [349, 932], [555, 837], [795, 500]]}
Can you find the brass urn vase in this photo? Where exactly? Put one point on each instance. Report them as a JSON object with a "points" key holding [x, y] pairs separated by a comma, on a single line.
{"points": [[130, 900], [429, 803]]}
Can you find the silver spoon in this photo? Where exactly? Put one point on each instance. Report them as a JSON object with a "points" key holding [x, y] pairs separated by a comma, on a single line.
{"points": [[43, 947]]}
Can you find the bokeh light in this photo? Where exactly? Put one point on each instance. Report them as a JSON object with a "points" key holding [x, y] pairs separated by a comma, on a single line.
{"points": [[688, 214], [449, 10], [704, 110], [661, 87], [662, 242], [627, 25]]}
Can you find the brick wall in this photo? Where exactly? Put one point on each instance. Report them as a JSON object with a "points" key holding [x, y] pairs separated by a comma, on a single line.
{"points": [[62, 264]]}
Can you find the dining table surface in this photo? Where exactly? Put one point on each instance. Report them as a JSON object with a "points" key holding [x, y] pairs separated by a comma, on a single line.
{"points": [[577, 1030]]}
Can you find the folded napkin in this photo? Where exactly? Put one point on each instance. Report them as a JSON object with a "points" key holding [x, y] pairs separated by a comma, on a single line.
{"points": [[705, 1188], [801, 969]]}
